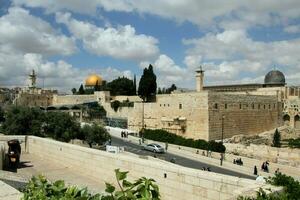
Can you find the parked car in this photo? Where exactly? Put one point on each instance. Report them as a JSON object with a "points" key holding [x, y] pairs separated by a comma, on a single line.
{"points": [[156, 148]]}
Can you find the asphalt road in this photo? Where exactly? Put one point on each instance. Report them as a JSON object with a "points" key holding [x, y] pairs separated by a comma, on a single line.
{"points": [[183, 161]]}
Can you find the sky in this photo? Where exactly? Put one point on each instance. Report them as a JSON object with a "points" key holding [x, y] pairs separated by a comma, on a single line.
{"points": [[65, 41]]}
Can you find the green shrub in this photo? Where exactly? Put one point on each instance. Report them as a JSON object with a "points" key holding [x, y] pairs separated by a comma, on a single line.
{"points": [[291, 189], [294, 143], [165, 136], [39, 188], [291, 186]]}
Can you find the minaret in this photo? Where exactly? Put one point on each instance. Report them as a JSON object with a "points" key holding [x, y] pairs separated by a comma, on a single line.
{"points": [[32, 78], [199, 79]]}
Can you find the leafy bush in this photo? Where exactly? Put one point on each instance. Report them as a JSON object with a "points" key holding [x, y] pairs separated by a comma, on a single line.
{"points": [[294, 143], [94, 134], [60, 126], [291, 189], [39, 188], [117, 104], [23, 121], [57, 125], [165, 136], [291, 186]]}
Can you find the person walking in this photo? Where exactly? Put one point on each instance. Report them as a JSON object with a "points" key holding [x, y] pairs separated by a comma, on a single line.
{"points": [[255, 170], [166, 146]]}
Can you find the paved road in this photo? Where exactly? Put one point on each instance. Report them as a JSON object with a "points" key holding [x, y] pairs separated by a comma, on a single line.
{"points": [[136, 149]]}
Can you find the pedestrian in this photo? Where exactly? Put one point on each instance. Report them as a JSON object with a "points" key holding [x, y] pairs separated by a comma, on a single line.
{"points": [[166, 145], [255, 170], [109, 141], [140, 141]]}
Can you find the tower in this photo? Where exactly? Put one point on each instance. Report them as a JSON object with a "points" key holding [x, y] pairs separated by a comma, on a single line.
{"points": [[199, 79], [32, 78]]}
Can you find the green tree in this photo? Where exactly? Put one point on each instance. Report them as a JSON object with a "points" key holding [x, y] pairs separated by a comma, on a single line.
{"points": [[2, 118], [97, 87], [95, 134], [159, 91], [96, 111], [61, 126], [121, 86], [81, 90], [276, 138], [134, 85], [23, 121], [147, 84], [74, 90], [171, 89]]}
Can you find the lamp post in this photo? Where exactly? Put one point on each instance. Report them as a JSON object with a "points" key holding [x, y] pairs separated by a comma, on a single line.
{"points": [[222, 137], [142, 130]]}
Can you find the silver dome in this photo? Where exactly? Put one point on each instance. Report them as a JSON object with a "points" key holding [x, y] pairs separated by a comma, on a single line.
{"points": [[275, 77]]}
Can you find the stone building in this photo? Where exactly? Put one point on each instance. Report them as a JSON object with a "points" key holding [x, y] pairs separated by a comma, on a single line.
{"points": [[210, 112], [33, 96]]}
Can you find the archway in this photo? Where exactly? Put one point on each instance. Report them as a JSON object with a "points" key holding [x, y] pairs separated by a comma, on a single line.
{"points": [[297, 122], [286, 120]]}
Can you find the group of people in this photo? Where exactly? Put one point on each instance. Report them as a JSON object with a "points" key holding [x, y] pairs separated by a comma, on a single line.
{"points": [[206, 169], [238, 161], [124, 134], [265, 166]]}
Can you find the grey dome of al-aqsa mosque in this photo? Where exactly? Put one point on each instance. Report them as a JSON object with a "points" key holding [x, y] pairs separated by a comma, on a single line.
{"points": [[275, 77]]}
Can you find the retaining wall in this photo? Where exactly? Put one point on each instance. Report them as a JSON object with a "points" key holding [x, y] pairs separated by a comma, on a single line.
{"points": [[175, 182]]}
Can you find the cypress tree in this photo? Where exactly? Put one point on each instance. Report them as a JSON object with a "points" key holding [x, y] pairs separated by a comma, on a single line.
{"points": [[81, 90], [276, 138], [147, 85], [134, 84]]}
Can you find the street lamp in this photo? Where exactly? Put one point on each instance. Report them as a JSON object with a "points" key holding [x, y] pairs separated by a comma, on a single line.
{"points": [[222, 137]]}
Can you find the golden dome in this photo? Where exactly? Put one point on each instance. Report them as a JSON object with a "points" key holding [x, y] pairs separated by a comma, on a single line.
{"points": [[92, 80]]}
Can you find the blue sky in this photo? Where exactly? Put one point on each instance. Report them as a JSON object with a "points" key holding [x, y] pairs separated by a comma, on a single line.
{"points": [[65, 41]]}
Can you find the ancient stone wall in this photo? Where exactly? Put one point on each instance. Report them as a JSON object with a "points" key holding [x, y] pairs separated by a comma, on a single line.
{"points": [[175, 182], [243, 114], [72, 99], [285, 156]]}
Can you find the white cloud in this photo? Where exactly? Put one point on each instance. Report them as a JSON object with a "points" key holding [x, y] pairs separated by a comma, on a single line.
{"points": [[167, 71], [25, 33], [193, 62], [233, 56], [121, 42], [14, 70], [292, 29], [233, 14]]}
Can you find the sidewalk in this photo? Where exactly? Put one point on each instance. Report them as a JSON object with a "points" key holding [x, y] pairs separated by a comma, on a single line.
{"points": [[196, 154], [35, 165]]}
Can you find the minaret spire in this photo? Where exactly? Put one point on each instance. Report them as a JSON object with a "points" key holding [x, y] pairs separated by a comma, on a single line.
{"points": [[32, 78], [199, 79]]}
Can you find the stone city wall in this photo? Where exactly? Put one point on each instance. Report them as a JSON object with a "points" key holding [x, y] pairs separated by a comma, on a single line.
{"points": [[184, 114], [243, 114], [286, 156], [72, 99], [175, 182]]}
